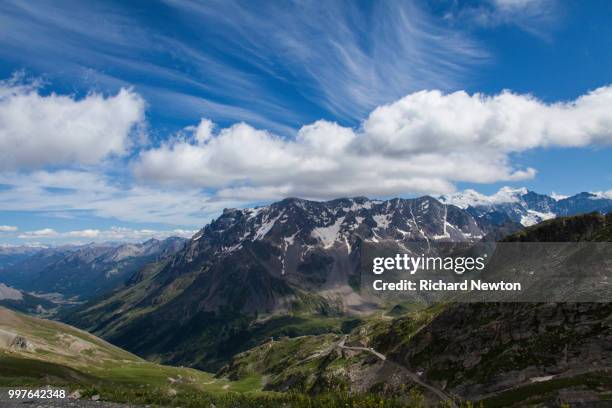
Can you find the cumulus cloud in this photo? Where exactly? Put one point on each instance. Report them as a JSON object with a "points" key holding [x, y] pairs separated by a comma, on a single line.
{"points": [[508, 122], [8, 228], [422, 143], [38, 130]]}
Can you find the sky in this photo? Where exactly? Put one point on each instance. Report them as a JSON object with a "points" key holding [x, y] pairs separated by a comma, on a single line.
{"points": [[130, 120]]}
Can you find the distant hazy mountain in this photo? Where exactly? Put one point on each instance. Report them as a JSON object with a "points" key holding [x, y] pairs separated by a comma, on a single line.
{"points": [[80, 271], [12, 254], [527, 207]]}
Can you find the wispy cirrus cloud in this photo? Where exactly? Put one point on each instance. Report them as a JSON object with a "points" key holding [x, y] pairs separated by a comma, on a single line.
{"points": [[65, 191], [289, 64], [537, 17], [111, 234], [348, 60]]}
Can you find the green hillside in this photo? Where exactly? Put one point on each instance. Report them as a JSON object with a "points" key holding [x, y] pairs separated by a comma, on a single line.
{"points": [[38, 352]]}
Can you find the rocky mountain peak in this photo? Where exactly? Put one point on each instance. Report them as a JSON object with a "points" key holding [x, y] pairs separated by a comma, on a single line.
{"points": [[524, 206]]}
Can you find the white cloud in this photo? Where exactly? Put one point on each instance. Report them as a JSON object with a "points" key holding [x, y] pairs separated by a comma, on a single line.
{"points": [[507, 122], [38, 130], [8, 228], [537, 17], [603, 194], [423, 143], [86, 233], [517, 4], [130, 234], [42, 233], [204, 131], [63, 191], [111, 234]]}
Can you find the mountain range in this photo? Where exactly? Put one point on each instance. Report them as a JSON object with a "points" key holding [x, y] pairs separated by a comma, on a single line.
{"points": [[527, 207], [251, 271], [48, 276], [274, 292]]}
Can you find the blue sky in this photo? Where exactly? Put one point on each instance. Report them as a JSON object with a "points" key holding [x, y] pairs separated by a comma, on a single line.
{"points": [[125, 120]]}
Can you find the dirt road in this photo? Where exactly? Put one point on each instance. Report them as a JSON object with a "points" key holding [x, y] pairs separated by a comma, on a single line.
{"points": [[413, 376]]}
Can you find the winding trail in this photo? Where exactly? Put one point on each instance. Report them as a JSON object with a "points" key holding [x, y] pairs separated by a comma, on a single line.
{"points": [[413, 376]]}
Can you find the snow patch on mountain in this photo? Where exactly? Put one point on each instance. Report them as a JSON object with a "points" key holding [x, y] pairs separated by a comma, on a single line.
{"points": [[328, 235], [366, 205], [266, 227], [558, 197], [472, 198], [290, 240], [534, 217], [382, 221]]}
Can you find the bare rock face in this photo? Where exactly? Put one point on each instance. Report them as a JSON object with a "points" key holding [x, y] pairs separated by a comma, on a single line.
{"points": [[19, 343]]}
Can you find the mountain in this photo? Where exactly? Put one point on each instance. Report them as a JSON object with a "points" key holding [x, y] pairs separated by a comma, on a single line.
{"points": [[488, 350], [526, 207], [239, 277], [592, 227], [500, 354], [11, 254], [289, 268], [82, 271]]}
